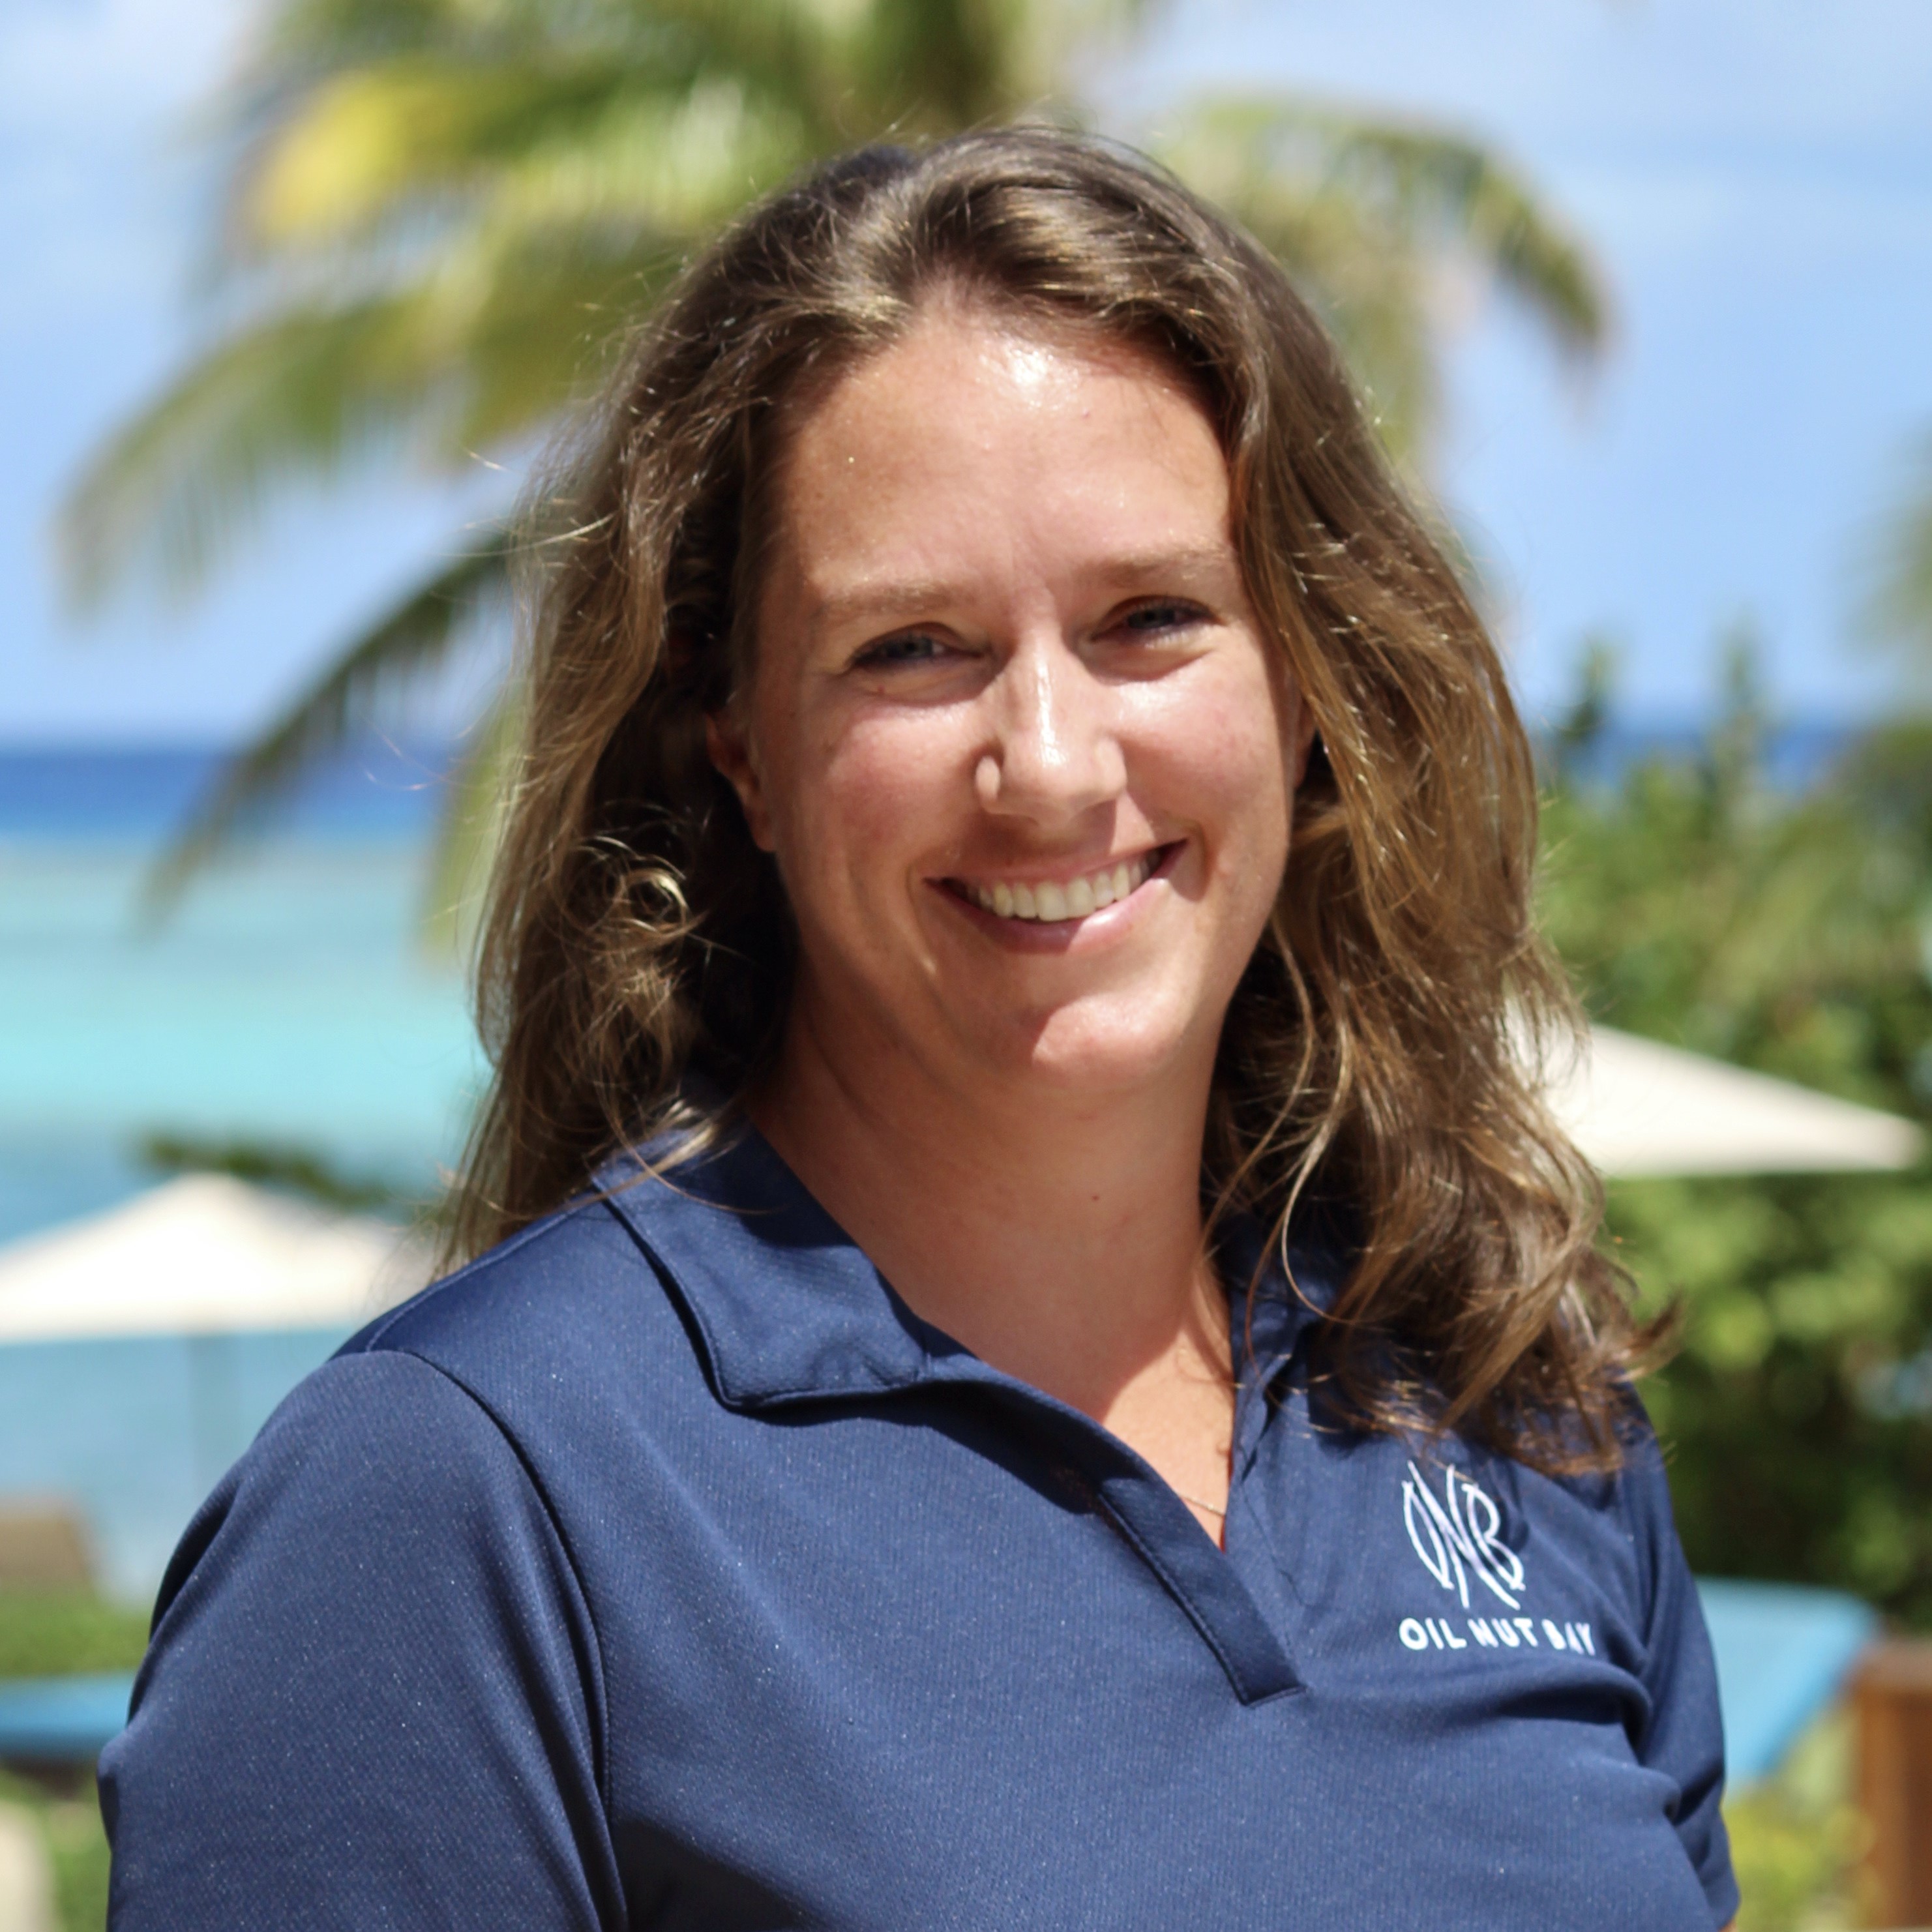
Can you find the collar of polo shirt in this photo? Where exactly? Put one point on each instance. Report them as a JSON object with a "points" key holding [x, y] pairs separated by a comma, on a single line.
{"points": [[787, 1308]]}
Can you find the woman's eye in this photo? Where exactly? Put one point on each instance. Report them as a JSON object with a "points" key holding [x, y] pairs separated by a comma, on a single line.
{"points": [[914, 648], [1154, 618]]}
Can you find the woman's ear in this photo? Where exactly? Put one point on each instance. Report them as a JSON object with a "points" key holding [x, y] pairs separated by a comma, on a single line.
{"points": [[728, 746]]}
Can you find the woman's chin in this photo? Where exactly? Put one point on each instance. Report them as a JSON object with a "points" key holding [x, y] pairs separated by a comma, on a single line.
{"points": [[1106, 1048]]}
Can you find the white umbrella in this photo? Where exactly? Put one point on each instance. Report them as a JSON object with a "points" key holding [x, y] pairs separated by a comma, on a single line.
{"points": [[205, 1254], [1637, 1107]]}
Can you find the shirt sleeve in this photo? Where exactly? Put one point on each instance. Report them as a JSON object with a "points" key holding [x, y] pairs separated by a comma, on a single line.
{"points": [[372, 1697], [1684, 1736]]}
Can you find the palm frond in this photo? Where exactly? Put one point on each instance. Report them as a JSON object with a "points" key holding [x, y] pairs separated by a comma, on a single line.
{"points": [[1374, 298], [318, 35], [415, 636], [487, 336], [677, 165], [360, 143], [930, 67], [310, 392], [391, 141], [1468, 195], [483, 352], [1356, 209], [402, 149]]}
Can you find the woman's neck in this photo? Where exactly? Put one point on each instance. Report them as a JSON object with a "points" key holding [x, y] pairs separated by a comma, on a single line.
{"points": [[1057, 1236]]}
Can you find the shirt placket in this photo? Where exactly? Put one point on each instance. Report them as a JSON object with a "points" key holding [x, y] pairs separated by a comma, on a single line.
{"points": [[1154, 1522]]}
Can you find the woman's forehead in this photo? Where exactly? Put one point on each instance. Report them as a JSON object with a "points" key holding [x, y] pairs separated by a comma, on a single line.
{"points": [[1038, 352], [969, 436]]}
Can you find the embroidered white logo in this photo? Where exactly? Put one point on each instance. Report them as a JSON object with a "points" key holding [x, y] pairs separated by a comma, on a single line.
{"points": [[1459, 1537]]}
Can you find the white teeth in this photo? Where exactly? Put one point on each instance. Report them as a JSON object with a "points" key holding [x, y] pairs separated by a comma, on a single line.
{"points": [[1075, 900]]}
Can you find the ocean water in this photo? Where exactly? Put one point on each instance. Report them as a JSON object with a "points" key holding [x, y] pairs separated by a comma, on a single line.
{"points": [[290, 999]]}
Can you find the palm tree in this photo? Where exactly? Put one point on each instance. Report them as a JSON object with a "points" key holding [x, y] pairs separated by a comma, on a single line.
{"points": [[441, 215]]}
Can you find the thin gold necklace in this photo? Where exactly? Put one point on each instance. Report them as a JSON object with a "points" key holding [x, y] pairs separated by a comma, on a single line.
{"points": [[1199, 1504]]}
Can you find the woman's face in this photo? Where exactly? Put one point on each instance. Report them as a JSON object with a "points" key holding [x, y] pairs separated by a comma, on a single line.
{"points": [[1023, 757]]}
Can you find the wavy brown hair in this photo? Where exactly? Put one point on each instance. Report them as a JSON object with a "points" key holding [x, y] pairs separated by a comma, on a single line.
{"points": [[1373, 1057]]}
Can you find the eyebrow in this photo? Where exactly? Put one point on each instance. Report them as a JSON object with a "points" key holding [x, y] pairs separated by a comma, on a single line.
{"points": [[885, 597]]}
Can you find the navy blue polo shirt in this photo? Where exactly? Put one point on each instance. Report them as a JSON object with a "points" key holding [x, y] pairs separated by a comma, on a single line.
{"points": [[662, 1569]]}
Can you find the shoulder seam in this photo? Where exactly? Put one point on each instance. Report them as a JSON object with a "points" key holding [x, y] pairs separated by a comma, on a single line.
{"points": [[372, 1337], [599, 1700]]}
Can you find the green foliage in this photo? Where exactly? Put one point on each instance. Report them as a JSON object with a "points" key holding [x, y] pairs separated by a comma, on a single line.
{"points": [[416, 635], [67, 1633], [442, 216], [77, 1843], [1695, 905], [295, 1170], [1790, 934], [70, 1828], [1800, 1434], [1796, 1839], [1360, 212]]}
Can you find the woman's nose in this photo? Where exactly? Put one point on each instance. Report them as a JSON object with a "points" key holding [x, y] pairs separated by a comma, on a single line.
{"points": [[1052, 751]]}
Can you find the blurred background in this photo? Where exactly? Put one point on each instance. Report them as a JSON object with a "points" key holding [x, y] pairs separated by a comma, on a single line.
{"points": [[1641, 291]]}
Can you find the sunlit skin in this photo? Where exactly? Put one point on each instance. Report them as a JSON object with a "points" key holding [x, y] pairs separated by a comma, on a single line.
{"points": [[1003, 644]]}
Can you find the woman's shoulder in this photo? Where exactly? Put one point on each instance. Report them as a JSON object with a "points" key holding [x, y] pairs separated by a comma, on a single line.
{"points": [[609, 1269], [498, 1383], [478, 1409], [578, 1279]]}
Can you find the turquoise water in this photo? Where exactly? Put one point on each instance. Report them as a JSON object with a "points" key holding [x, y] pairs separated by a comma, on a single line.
{"points": [[290, 1001]]}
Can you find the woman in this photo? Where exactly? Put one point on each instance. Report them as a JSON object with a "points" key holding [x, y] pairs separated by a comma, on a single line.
{"points": [[1016, 808]]}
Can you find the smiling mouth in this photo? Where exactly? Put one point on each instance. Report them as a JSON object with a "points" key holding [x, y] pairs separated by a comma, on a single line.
{"points": [[1049, 902]]}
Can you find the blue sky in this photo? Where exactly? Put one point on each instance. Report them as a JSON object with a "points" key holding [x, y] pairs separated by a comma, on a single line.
{"points": [[1754, 177]]}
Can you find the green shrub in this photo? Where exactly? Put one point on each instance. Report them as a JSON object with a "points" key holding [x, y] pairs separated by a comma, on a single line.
{"points": [[78, 1845], [1796, 1839], [67, 1633], [1791, 933]]}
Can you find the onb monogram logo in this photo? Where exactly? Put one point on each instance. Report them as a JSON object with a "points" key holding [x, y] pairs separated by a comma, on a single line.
{"points": [[1459, 1537]]}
